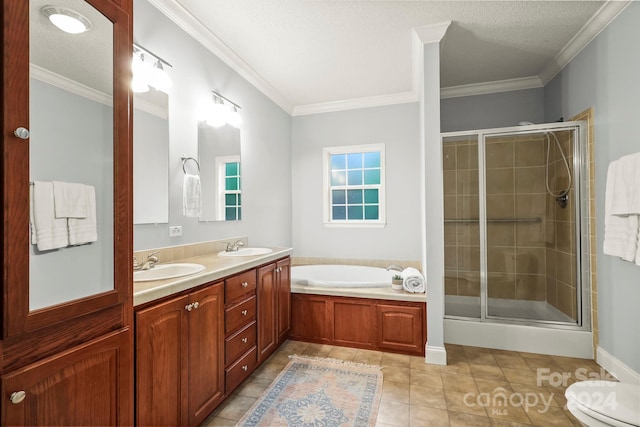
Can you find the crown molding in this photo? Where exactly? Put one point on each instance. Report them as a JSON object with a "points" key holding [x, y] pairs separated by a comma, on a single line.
{"points": [[353, 104], [491, 87], [64, 83], [173, 10], [598, 22], [149, 107]]}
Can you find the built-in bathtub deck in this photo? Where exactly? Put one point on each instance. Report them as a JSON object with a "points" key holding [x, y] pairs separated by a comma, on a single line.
{"points": [[373, 293]]}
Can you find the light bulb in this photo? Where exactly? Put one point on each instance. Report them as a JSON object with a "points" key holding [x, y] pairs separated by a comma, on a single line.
{"points": [[159, 78], [234, 118], [217, 114]]}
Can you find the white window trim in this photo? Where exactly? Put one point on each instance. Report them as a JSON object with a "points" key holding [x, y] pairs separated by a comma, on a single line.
{"points": [[326, 195]]}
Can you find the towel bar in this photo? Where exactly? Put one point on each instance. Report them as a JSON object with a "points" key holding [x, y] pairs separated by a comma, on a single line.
{"points": [[184, 160], [496, 220]]}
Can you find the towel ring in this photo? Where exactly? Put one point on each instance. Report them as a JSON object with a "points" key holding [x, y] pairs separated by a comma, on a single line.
{"points": [[184, 160]]}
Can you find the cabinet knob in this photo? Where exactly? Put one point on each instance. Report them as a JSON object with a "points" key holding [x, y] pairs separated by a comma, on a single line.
{"points": [[245, 312], [188, 307], [245, 368], [245, 284], [196, 304], [21, 133], [245, 340], [18, 396]]}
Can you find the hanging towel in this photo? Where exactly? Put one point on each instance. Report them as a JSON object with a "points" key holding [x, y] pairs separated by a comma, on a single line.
{"points": [[85, 230], [50, 232], [626, 192], [191, 197], [412, 281], [70, 200]]}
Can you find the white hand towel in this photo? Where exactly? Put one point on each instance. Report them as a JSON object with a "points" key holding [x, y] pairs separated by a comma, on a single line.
{"points": [[412, 281], [50, 232], [191, 197], [85, 230], [70, 200], [626, 193], [638, 245], [616, 227]]}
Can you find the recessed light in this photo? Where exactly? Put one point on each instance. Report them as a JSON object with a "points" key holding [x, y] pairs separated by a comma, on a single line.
{"points": [[67, 20]]}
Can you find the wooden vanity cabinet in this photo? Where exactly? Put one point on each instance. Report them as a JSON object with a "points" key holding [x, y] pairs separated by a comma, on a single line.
{"points": [[274, 306], [72, 361], [180, 358]]}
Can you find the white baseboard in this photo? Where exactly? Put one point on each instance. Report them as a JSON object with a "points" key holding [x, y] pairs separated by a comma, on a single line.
{"points": [[615, 367], [435, 355]]}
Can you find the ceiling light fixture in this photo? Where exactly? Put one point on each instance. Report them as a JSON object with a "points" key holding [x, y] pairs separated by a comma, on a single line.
{"points": [[67, 20], [149, 70], [220, 113]]}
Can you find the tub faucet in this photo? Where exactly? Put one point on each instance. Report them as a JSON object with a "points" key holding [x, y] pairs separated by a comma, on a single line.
{"points": [[149, 262], [233, 247], [395, 267]]}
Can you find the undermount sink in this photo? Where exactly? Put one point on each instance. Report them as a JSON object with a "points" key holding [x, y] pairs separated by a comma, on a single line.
{"points": [[167, 271], [246, 252]]}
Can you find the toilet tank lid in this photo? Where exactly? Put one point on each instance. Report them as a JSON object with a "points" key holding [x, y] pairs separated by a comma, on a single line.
{"points": [[614, 400]]}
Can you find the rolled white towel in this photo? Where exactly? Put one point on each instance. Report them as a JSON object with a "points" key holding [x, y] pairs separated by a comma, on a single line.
{"points": [[413, 281]]}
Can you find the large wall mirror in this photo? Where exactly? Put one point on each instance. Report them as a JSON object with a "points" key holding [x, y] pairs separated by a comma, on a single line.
{"points": [[71, 156], [151, 157], [220, 172]]}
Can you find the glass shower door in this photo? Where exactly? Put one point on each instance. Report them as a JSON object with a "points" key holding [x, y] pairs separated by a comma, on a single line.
{"points": [[530, 226]]}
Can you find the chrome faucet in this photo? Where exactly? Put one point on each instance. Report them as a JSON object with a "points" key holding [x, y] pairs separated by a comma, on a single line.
{"points": [[395, 267], [149, 262], [233, 247]]}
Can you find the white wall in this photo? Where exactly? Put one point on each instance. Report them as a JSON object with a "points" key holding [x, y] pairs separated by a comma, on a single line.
{"points": [[605, 75], [396, 126], [492, 110], [265, 135]]}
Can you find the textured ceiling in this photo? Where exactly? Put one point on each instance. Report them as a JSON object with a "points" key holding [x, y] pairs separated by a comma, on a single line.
{"points": [[331, 50]]}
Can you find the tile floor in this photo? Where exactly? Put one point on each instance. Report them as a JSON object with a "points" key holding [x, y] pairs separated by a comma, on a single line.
{"points": [[478, 387]]}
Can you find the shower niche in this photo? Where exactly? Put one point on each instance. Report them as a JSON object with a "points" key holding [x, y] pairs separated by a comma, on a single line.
{"points": [[512, 225]]}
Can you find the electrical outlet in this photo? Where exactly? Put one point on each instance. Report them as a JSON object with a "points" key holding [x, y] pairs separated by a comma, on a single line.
{"points": [[175, 231]]}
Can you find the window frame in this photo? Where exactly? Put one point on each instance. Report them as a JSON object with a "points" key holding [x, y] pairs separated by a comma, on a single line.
{"points": [[220, 166], [327, 152]]}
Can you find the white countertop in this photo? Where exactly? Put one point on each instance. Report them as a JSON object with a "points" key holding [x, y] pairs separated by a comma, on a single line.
{"points": [[216, 267], [373, 293]]}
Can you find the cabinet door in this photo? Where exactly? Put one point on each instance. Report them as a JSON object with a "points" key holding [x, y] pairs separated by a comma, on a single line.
{"points": [[85, 385], [400, 328], [45, 287], [161, 371], [353, 322], [267, 334], [284, 298], [310, 318], [206, 351]]}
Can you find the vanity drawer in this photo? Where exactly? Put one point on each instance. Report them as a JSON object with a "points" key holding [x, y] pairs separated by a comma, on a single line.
{"points": [[240, 284], [240, 370], [240, 314], [239, 343]]}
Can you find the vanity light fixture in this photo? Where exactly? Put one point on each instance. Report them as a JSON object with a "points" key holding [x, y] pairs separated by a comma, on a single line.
{"points": [[148, 70], [67, 20], [220, 113]]}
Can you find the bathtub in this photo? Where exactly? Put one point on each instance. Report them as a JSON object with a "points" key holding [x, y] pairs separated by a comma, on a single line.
{"points": [[341, 276]]}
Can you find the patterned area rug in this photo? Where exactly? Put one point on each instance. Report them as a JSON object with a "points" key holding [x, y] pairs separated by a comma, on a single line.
{"points": [[319, 392]]}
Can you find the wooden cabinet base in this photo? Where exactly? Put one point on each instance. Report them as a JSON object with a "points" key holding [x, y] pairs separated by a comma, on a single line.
{"points": [[395, 326]]}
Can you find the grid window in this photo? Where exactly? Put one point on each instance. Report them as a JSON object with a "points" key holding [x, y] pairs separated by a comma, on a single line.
{"points": [[354, 183], [232, 195]]}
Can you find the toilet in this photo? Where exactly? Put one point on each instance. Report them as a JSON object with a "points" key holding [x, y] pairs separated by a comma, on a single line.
{"points": [[604, 403]]}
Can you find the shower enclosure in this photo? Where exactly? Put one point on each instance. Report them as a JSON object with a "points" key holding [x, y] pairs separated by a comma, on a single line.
{"points": [[516, 246]]}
